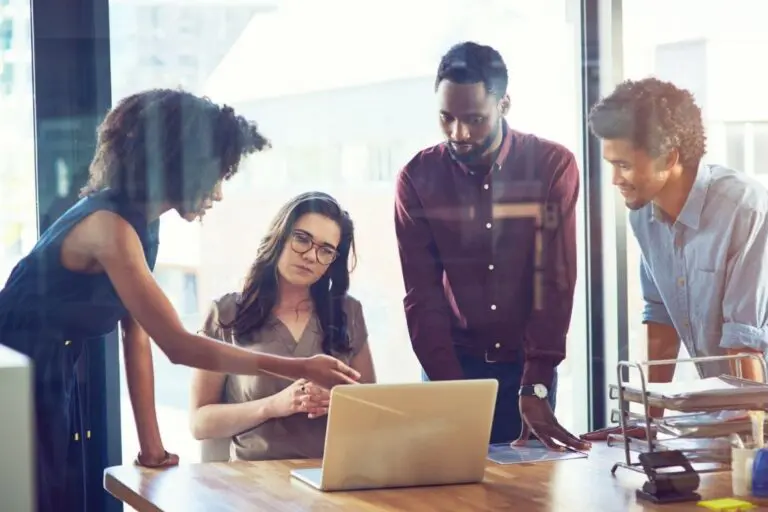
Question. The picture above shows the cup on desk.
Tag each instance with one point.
(741, 469)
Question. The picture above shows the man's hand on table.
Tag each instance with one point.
(538, 419)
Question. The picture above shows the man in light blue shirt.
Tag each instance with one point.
(702, 229)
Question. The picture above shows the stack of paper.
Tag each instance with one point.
(711, 394)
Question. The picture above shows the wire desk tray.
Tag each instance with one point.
(727, 394)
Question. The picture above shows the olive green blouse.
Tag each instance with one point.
(296, 436)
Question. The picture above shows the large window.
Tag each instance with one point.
(700, 45)
(747, 147)
(18, 208)
(346, 105)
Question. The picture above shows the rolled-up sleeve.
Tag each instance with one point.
(654, 310)
(745, 300)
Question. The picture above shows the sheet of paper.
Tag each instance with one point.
(534, 451)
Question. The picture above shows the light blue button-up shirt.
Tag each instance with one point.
(706, 274)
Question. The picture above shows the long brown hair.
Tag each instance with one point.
(260, 292)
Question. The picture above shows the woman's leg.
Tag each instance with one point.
(59, 473)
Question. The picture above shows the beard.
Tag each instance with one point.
(479, 149)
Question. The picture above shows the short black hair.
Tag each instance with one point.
(656, 116)
(169, 145)
(470, 63)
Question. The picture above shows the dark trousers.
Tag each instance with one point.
(506, 417)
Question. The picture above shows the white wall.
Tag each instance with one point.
(16, 433)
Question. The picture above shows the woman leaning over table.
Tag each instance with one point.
(294, 303)
(157, 151)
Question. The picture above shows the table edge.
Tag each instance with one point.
(126, 495)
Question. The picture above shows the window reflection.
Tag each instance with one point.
(18, 210)
(700, 45)
(344, 118)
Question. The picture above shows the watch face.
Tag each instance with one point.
(540, 390)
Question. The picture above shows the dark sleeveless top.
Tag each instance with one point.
(43, 302)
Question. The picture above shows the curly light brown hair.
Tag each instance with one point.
(169, 146)
(656, 116)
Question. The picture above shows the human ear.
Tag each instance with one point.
(504, 105)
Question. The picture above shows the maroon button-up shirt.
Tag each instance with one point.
(489, 261)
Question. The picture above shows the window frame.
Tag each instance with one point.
(72, 93)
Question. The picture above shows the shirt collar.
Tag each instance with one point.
(504, 150)
(690, 215)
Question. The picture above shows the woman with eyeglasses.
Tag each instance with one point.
(294, 304)
(157, 151)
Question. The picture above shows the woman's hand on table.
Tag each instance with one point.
(537, 418)
(163, 459)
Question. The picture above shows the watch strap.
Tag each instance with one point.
(531, 390)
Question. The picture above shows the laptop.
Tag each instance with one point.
(405, 435)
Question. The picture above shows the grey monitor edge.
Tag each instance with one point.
(310, 476)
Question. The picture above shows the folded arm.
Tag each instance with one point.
(211, 417)
(116, 246)
(426, 308)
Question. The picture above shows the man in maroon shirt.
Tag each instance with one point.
(486, 231)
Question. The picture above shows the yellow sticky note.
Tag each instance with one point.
(727, 505)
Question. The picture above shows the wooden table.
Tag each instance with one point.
(584, 485)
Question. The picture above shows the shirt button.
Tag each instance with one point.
(68, 342)
(486, 186)
(488, 225)
(490, 267)
(498, 345)
(681, 281)
(493, 307)
(686, 324)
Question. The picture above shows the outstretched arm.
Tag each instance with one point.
(116, 246)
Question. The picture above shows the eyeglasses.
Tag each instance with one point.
(302, 243)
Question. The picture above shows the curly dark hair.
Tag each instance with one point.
(329, 293)
(656, 116)
(171, 146)
(471, 63)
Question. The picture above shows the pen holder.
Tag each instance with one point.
(742, 464)
(760, 474)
